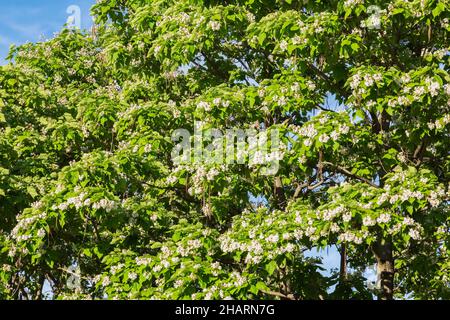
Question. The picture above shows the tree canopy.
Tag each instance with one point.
(94, 205)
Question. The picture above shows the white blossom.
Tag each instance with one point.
(214, 25)
(414, 234)
(368, 221)
(283, 45)
(384, 218)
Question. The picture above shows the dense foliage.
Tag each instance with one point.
(94, 206)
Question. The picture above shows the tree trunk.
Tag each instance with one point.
(385, 269)
(343, 266)
(38, 294)
(280, 198)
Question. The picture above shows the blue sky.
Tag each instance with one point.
(32, 20)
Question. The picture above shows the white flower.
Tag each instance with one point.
(356, 79)
(439, 124)
(165, 264)
(132, 276)
(377, 77)
(250, 17)
(403, 101)
(433, 199)
(157, 268)
(298, 40)
(281, 101)
(408, 221)
(405, 79)
(283, 45)
(368, 80)
(116, 268)
(302, 160)
(368, 221)
(307, 131)
(157, 49)
(402, 157)
(311, 85)
(352, 3)
(204, 105)
(335, 228)
(261, 92)
(394, 199)
(308, 142)
(334, 135)
(106, 281)
(357, 240)
(286, 236)
(41, 233)
(212, 174)
(384, 218)
(63, 206)
(310, 231)
(344, 129)
(323, 119)
(106, 204)
(178, 283)
(419, 92)
(441, 230)
(414, 234)
(37, 204)
(171, 179)
(347, 217)
(214, 25)
(273, 238)
(184, 17)
(433, 86)
(324, 138)
(143, 261)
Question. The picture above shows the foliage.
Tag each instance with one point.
(87, 180)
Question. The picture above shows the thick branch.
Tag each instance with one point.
(279, 294)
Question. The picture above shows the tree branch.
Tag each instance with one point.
(351, 175)
(279, 294)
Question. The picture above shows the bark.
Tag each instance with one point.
(280, 198)
(343, 266)
(38, 294)
(385, 269)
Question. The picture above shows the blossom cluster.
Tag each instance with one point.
(310, 131)
(81, 201)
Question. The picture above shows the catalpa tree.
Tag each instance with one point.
(106, 191)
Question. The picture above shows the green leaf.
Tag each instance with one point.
(262, 36)
(439, 8)
(32, 191)
(271, 267)
(87, 252)
(261, 286)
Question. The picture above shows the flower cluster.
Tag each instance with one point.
(81, 201)
(352, 3)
